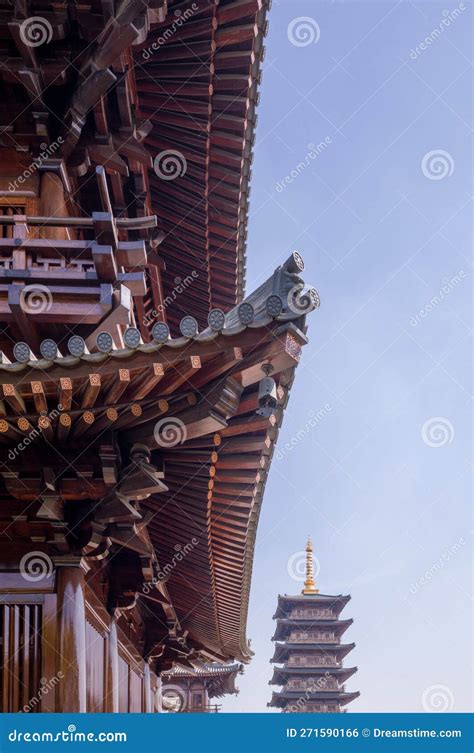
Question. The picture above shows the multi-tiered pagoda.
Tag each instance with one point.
(309, 632)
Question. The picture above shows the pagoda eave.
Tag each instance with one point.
(281, 674)
(286, 602)
(280, 700)
(282, 649)
(284, 626)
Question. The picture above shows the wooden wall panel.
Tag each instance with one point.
(20, 680)
(95, 669)
(123, 672)
(136, 692)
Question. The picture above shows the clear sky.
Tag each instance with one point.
(379, 465)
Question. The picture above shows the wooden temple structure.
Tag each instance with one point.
(191, 689)
(309, 649)
(141, 390)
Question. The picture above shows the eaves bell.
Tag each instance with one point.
(140, 479)
(267, 397)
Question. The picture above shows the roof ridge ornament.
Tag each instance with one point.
(309, 584)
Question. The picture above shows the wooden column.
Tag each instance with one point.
(147, 687)
(71, 637)
(53, 204)
(111, 672)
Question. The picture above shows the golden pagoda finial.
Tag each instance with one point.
(309, 584)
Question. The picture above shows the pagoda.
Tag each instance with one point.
(309, 632)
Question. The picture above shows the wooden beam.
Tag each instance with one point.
(181, 374)
(141, 387)
(91, 391)
(65, 393)
(13, 398)
(119, 384)
(39, 398)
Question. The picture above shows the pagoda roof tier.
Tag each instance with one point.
(287, 603)
(286, 625)
(283, 650)
(219, 678)
(281, 700)
(281, 675)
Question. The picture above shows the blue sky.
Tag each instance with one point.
(382, 217)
